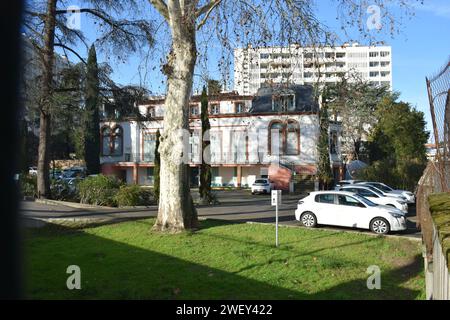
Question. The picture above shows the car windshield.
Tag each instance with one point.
(365, 200)
(389, 188)
(260, 181)
(375, 189)
(372, 189)
(383, 187)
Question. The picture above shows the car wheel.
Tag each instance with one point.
(308, 219)
(380, 226)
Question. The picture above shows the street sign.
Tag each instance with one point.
(276, 197)
(276, 200)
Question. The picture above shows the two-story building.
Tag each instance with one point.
(272, 134)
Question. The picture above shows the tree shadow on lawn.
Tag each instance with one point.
(242, 202)
(115, 270)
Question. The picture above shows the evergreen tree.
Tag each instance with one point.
(354, 101)
(205, 168)
(156, 168)
(324, 168)
(397, 145)
(214, 87)
(91, 115)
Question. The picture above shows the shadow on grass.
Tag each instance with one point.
(239, 202)
(116, 270)
(86, 213)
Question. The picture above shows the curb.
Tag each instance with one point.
(75, 223)
(71, 204)
(394, 236)
(86, 206)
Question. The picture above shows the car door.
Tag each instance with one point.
(350, 212)
(324, 208)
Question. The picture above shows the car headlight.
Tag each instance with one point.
(396, 215)
(401, 202)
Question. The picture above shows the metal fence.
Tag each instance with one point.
(436, 179)
(438, 87)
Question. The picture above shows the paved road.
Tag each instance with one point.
(236, 206)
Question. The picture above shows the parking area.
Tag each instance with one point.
(238, 206)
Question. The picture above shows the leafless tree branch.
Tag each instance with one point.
(161, 7)
(206, 10)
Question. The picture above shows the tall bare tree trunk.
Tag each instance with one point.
(43, 179)
(176, 207)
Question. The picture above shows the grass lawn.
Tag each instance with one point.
(221, 261)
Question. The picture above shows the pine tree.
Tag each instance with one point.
(205, 168)
(156, 168)
(214, 87)
(91, 115)
(324, 168)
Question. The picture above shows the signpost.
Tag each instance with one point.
(276, 200)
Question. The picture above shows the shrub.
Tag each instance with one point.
(99, 190)
(133, 195)
(28, 185)
(403, 175)
(63, 190)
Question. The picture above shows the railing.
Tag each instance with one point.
(436, 271)
(129, 157)
(439, 283)
(215, 158)
(436, 179)
(438, 87)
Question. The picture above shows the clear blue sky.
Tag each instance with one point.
(422, 47)
(420, 50)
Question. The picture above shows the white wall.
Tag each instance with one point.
(248, 79)
(230, 135)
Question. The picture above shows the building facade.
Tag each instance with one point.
(258, 67)
(272, 134)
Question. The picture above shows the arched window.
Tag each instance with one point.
(276, 138)
(151, 112)
(112, 141)
(149, 146)
(284, 138)
(117, 141)
(333, 142)
(106, 148)
(292, 138)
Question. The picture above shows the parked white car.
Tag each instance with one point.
(261, 186)
(377, 197)
(342, 183)
(32, 171)
(385, 188)
(386, 194)
(346, 209)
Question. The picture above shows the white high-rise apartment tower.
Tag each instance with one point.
(259, 67)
